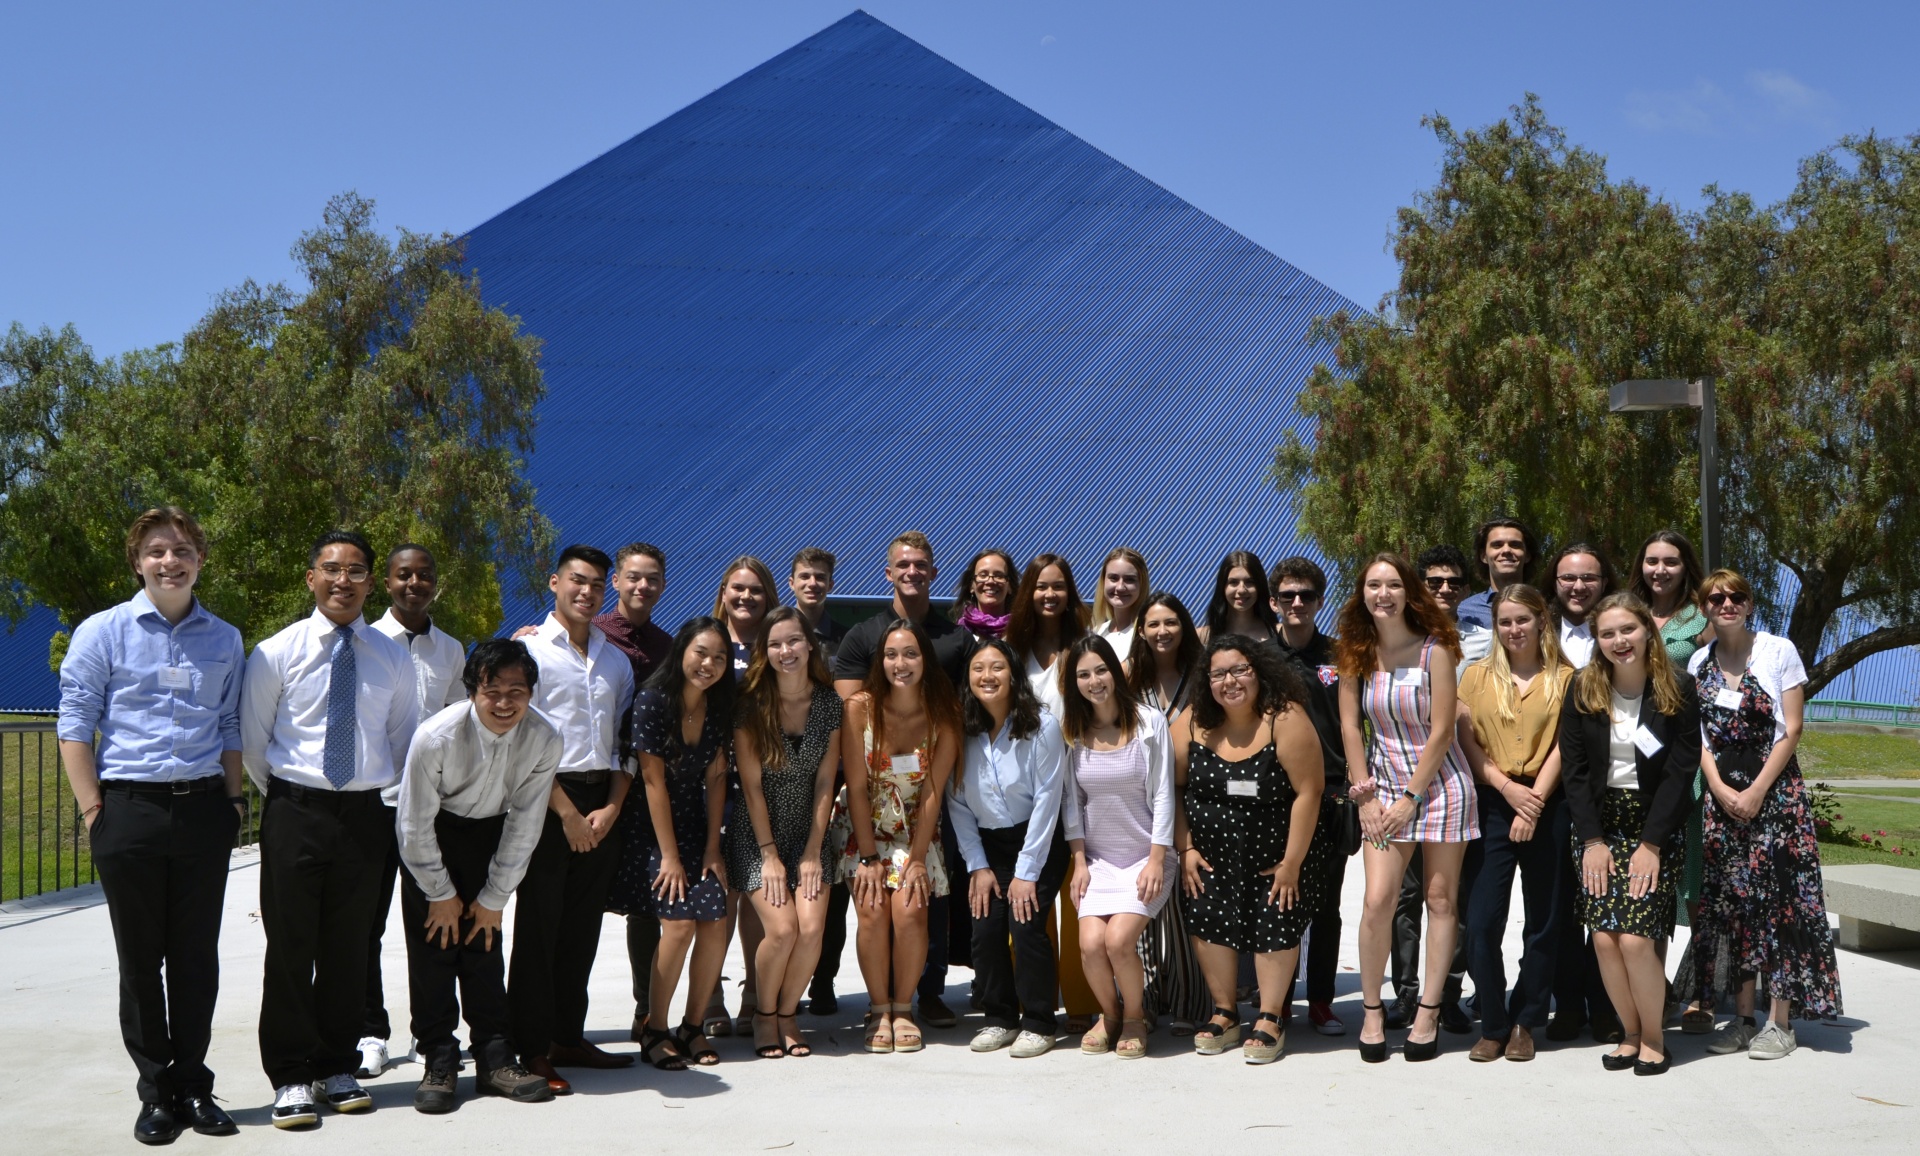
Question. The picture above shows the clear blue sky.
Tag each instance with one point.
(154, 154)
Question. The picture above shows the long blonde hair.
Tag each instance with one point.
(1500, 668)
(1593, 686)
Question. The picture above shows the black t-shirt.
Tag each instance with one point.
(952, 646)
(1314, 663)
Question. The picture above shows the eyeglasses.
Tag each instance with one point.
(1446, 582)
(1578, 579)
(1721, 598)
(351, 573)
(1236, 673)
(1301, 596)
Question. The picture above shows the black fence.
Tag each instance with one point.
(43, 841)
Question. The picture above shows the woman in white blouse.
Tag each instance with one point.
(1118, 601)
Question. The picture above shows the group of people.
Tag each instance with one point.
(1115, 810)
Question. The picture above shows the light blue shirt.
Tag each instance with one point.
(1476, 610)
(165, 698)
(1007, 782)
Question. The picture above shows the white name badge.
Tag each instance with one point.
(907, 764)
(176, 678)
(1250, 788)
(1727, 699)
(1648, 745)
(1407, 675)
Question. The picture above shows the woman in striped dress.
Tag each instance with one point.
(1412, 784)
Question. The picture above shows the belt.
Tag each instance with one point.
(197, 786)
(584, 778)
(339, 800)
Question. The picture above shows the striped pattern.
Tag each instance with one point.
(1401, 718)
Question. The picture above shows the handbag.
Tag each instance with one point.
(1343, 824)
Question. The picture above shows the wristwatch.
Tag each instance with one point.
(869, 860)
(1418, 799)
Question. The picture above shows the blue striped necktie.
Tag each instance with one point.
(341, 685)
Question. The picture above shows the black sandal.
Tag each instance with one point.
(1375, 1053)
(1264, 1047)
(799, 1047)
(774, 1050)
(671, 1060)
(686, 1033)
(1418, 1053)
(1212, 1039)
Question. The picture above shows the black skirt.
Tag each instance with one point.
(1623, 814)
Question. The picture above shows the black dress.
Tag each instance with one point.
(1241, 831)
(656, 731)
(789, 795)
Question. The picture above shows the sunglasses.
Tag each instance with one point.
(1726, 597)
(1446, 583)
(1287, 597)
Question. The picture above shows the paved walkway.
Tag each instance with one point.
(1853, 1086)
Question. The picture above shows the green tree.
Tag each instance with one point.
(386, 398)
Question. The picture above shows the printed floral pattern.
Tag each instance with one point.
(893, 797)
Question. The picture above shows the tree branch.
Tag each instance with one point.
(1850, 654)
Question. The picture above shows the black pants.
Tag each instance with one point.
(377, 1024)
(643, 943)
(949, 921)
(1406, 936)
(1018, 988)
(833, 942)
(1578, 990)
(163, 866)
(321, 853)
(1323, 934)
(1488, 878)
(478, 969)
(556, 933)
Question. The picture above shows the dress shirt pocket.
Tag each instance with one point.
(210, 683)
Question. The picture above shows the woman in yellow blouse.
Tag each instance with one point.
(1510, 715)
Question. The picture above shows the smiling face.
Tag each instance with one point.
(1094, 680)
(1519, 629)
(1296, 602)
(787, 648)
(911, 571)
(501, 701)
(639, 583)
(1162, 628)
(1662, 569)
(1050, 593)
(1120, 582)
(1505, 555)
(1242, 590)
(992, 583)
(810, 583)
(1577, 584)
(168, 563)
(991, 680)
(1621, 636)
(579, 590)
(1384, 592)
(744, 598)
(1728, 608)
(412, 581)
(901, 660)
(1231, 678)
(340, 580)
(707, 658)
(1449, 587)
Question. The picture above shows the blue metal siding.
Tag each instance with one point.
(26, 682)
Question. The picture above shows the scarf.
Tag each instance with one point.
(977, 621)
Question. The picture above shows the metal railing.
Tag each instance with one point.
(1872, 713)
(43, 841)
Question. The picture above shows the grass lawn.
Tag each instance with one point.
(1831, 755)
(36, 813)
(1867, 816)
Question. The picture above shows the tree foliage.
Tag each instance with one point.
(1531, 281)
(386, 398)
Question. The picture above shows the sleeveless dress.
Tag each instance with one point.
(1763, 910)
(1117, 817)
(1400, 707)
(789, 795)
(1241, 834)
(893, 798)
(656, 731)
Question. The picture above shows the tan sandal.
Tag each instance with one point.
(879, 1030)
(1132, 1047)
(1098, 1041)
(1212, 1038)
(906, 1033)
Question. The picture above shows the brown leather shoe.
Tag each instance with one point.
(543, 1067)
(1485, 1051)
(1520, 1045)
(585, 1055)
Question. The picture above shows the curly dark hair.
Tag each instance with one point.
(1277, 687)
(1024, 714)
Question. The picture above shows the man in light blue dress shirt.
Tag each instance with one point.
(159, 678)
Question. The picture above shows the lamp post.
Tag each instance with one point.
(1651, 396)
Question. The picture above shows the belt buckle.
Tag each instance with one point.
(180, 787)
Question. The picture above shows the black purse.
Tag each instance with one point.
(1343, 824)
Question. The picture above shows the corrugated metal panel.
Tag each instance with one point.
(26, 683)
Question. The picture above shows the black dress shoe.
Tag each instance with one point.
(204, 1116)
(156, 1124)
(1613, 1063)
(1607, 1029)
(1454, 1018)
(1400, 1011)
(1565, 1026)
(935, 1013)
(823, 1004)
(1644, 1068)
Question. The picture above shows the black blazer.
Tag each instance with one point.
(1666, 779)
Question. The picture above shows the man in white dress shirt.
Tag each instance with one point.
(328, 707)
(471, 804)
(413, 582)
(1581, 577)
(586, 688)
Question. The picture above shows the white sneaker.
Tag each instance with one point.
(992, 1038)
(1031, 1044)
(293, 1106)
(373, 1057)
(342, 1093)
(1733, 1038)
(1774, 1042)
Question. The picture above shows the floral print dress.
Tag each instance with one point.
(1762, 904)
(893, 799)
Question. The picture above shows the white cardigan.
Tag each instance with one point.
(1151, 730)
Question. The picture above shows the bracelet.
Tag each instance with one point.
(768, 844)
(237, 800)
(91, 810)
(1359, 791)
(869, 860)
(1418, 799)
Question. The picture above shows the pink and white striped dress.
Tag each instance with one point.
(1400, 707)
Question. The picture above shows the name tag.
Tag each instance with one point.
(1647, 744)
(1727, 699)
(1248, 788)
(907, 764)
(1407, 675)
(176, 678)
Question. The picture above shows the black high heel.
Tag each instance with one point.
(1372, 1053)
(1419, 1053)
